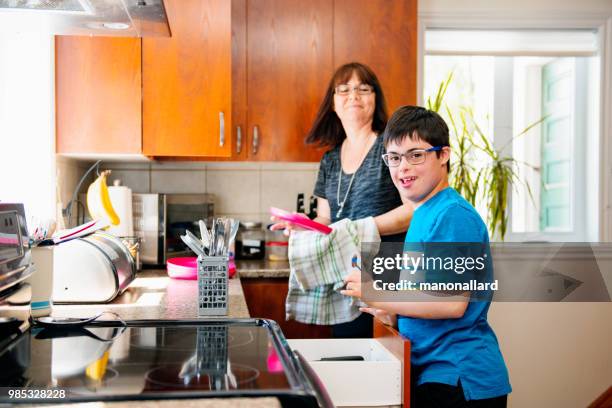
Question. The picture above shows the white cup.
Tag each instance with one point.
(42, 280)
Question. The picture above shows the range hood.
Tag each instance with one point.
(110, 18)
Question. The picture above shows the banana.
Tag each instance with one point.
(99, 203)
(97, 369)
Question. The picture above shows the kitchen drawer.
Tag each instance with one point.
(375, 381)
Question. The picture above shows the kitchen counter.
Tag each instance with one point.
(153, 295)
(250, 269)
(186, 403)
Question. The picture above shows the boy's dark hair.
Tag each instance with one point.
(417, 122)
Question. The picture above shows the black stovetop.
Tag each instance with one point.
(155, 359)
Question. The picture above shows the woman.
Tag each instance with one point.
(353, 181)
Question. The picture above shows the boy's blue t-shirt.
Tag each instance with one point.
(451, 350)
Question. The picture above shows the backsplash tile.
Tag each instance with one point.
(236, 191)
(233, 166)
(283, 166)
(138, 180)
(177, 165)
(69, 172)
(243, 190)
(178, 181)
(280, 188)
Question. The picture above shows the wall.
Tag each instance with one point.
(242, 190)
(69, 172)
(559, 355)
(509, 8)
(27, 137)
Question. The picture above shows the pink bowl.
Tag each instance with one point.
(187, 268)
(183, 268)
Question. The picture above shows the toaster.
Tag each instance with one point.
(92, 269)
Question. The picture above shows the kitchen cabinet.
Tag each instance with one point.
(400, 347)
(383, 35)
(187, 83)
(238, 80)
(293, 50)
(265, 298)
(166, 98)
(290, 61)
(98, 95)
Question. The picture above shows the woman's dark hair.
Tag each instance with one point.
(417, 122)
(327, 129)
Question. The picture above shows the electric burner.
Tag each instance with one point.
(171, 339)
(159, 360)
(172, 378)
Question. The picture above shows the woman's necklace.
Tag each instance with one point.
(341, 203)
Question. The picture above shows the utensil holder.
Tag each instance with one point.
(213, 285)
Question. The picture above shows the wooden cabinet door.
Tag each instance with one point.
(98, 94)
(239, 80)
(383, 35)
(265, 299)
(289, 62)
(187, 86)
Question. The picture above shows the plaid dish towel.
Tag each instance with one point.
(318, 265)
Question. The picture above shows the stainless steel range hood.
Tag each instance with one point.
(114, 18)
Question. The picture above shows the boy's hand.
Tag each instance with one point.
(387, 318)
(353, 284)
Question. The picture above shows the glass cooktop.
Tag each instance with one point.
(152, 359)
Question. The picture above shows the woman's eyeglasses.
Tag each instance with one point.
(345, 89)
(416, 156)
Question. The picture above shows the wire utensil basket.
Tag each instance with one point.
(213, 285)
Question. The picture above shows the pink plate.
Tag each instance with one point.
(299, 220)
(187, 268)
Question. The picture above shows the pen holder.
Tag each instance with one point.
(212, 285)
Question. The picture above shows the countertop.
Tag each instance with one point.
(186, 403)
(153, 295)
(262, 269)
(265, 402)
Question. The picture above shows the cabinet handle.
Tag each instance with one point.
(221, 129)
(238, 139)
(255, 138)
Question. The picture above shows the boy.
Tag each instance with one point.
(455, 355)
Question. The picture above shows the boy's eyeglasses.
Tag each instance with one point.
(416, 156)
(345, 89)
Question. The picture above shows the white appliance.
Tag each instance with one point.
(110, 18)
(92, 269)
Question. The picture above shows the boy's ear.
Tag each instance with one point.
(445, 154)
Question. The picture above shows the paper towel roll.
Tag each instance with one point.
(121, 197)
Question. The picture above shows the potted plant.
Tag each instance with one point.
(490, 182)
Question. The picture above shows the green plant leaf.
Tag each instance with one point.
(490, 183)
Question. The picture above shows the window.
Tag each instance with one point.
(27, 158)
(507, 81)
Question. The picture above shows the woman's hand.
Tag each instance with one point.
(387, 318)
(287, 226)
(323, 217)
(352, 284)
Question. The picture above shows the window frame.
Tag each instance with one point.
(598, 221)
